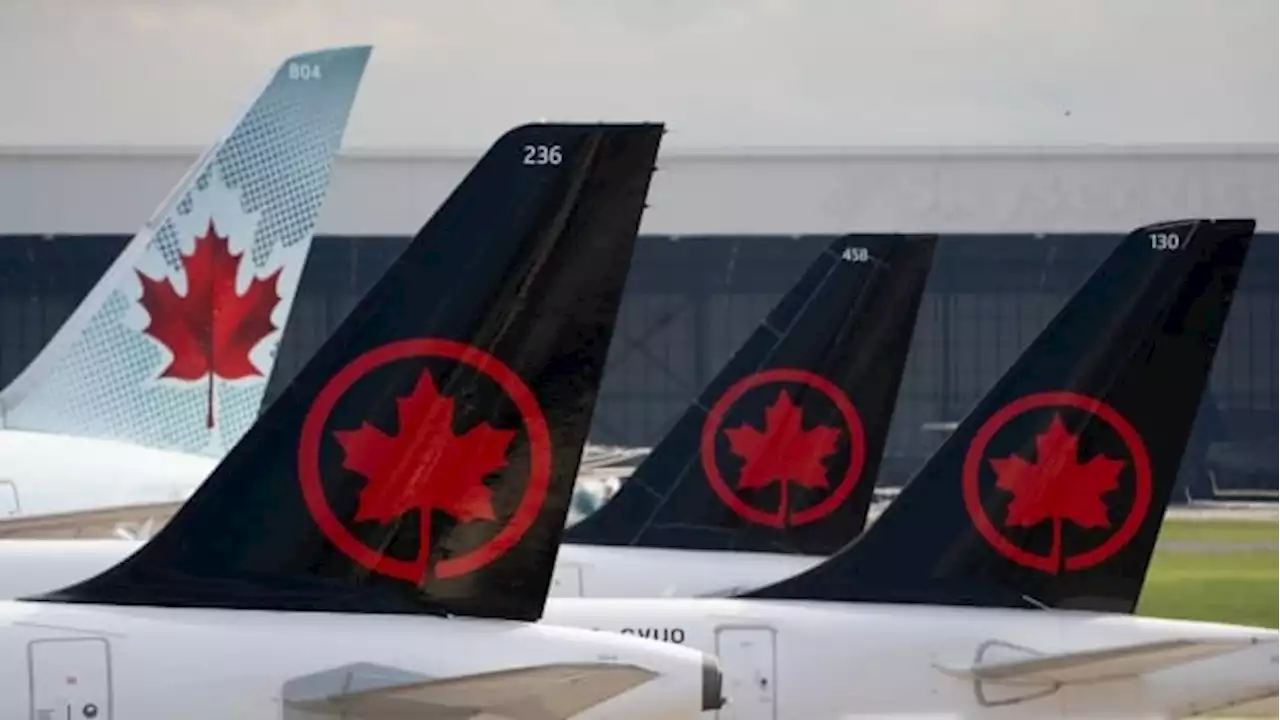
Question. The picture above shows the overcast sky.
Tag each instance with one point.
(721, 73)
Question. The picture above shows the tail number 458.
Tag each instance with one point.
(1165, 241)
(855, 254)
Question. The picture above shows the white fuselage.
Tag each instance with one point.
(822, 660)
(789, 659)
(144, 663)
(44, 474)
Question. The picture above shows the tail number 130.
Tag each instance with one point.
(542, 155)
(1165, 241)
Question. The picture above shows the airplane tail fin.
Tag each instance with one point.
(780, 452)
(423, 460)
(1051, 492)
(172, 348)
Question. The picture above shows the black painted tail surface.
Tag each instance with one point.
(1051, 492)
(781, 451)
(423, 460)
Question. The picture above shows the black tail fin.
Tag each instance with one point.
(1051, 492)
(423, 460)
(781, 451)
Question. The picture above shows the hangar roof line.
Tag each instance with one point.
(95, 190)
(1253, 150)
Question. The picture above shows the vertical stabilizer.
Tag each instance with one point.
(172, 348)
(781, 450)
(423, 459)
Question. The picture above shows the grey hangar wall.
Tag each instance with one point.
(690, 301)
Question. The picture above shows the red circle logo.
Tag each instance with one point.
(466, 503)
(783, 450)
(1059, 485)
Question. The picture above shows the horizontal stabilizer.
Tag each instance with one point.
(1100, 665)
(141, 521)
(1267, 705)
(547, 692)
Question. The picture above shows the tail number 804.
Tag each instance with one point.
(304, 71)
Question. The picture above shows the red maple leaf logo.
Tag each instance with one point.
(425, 466)
(211, 329)
(784, 452)
(1057, 486)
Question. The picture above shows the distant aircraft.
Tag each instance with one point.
(164, 364)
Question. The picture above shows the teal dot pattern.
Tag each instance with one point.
(263, 185)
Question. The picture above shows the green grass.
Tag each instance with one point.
(1240, 587)
(1220, 531)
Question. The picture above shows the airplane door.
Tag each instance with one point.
(9, 506)
(748, 664)
(70, 679)
(566, 580)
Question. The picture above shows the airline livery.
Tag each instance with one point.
(164, 365)
(380, 544)
(376, 544)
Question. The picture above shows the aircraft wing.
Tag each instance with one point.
(545, 692)
(1098, 665)
(124, 521)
